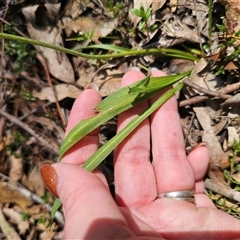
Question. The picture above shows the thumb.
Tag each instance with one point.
(85, 199)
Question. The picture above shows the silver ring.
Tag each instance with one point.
(185, 195)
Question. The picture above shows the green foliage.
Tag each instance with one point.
(166, 52)
(145, 15)
(114, 7)
(28, 96)
(42, 220)
(46, 198)
(21, 53)
(230, 41)
(83, 36)
(234, 166)
(222, 28)
(25, 216)
(236, 147)
(221, 201)
(18, 140)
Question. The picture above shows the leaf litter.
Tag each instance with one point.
(38, 100)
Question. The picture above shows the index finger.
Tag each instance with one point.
(83, 108)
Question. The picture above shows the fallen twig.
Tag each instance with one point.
(43, 61)
(222, 189)
(206, 91)
(197, 99)
(8, 231)
(34, 198)
(24, 126)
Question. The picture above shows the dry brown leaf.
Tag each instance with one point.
(234, 65)
(178, 66)
(58, 63)
(9, 195)
(62, 91)
(16, 217)
(96, 28)
(36, 180)
(232, 101)
(6, 141)
(8, 231)
(107, 82)
(203, 77)
(231, 136)
(16, 167)
(156, 5)
(48, 234)
(175, 32)
(73, 8)
(236, 176)
(111, 83)
(109, 86)
(232, 15)
(26, 183)
(173, 4)
(214, 146)
(58, 133)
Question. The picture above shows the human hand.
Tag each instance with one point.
(137, 212)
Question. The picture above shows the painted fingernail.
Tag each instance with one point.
(133, 69)
(92, 86)
(50, 178)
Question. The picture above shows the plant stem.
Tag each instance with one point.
(210, 5)
(135, 52)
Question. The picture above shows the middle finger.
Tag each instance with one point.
(172, 169)
(135, 182)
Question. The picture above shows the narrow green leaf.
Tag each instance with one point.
(141, 25)
(148, 13)
(56, 205)
(136, 12)
(118, 102)
(142, 11)
(108, 147)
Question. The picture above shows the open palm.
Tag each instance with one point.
(138, 212)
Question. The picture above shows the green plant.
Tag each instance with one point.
(234, 166)
(83, 36)
(25, 216)
(19, 138)
(144, 15)
(228, 42)
(166, 52)
(221, 201)
(114, 7)
(21, 53)
(28, 96)
(42, 220)
(46, 198)
(117, 102)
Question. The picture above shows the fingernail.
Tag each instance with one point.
(201, 144)
(154, 69)
(50, 178)
(133, 69)
(92, 86)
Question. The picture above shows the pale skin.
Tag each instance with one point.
(136, 213)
